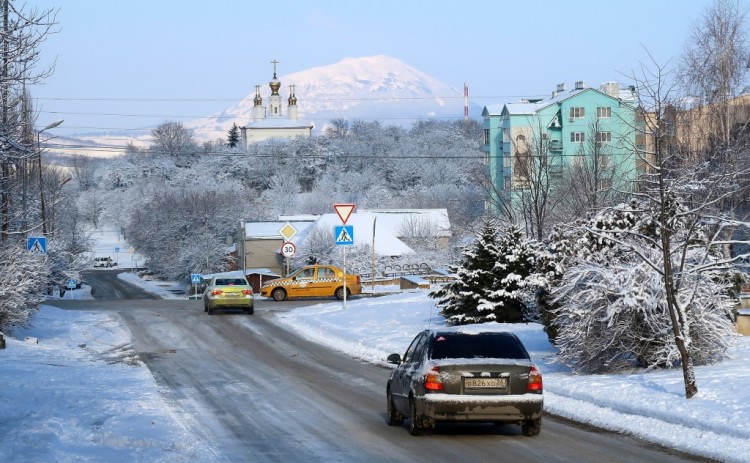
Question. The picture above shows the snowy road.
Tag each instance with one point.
(252, 391)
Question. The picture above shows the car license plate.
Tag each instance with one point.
(233, 294)
(492, 383)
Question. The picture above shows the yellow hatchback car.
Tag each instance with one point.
(313, 281)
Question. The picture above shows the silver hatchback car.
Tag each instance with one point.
(452, 375)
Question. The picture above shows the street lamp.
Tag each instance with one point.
(41, 182)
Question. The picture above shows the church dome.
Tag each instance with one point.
(275, 84)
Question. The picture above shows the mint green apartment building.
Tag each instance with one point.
(562, 130)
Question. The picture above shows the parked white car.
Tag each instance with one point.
(105, 262)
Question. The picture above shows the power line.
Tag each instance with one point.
(114, 149)
(195, 100)
(232, 117)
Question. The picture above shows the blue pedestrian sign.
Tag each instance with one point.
(117, 248)
(195, 278)
(344, 235)
(37, 245)
(72, 283)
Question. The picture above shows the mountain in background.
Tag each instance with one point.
(375, 88)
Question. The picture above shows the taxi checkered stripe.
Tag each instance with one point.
(293, 282)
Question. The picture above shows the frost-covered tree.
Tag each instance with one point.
(21, 285)
(173, 139)
(183, 231)
(494, 281)
(319, 248)
(648, 284)
(611, 304)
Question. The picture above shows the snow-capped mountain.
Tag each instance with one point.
(372, 88)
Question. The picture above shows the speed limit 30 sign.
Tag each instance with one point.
(288, 249)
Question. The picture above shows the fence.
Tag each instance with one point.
(392, 271)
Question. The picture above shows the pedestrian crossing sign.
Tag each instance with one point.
(344, 235)
(37, 245)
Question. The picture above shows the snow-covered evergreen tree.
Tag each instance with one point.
(494, 282)
(233, 137)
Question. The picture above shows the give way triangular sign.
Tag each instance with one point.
(344, 211)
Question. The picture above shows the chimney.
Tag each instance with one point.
(580, 85)
(610, 88)
(560, 87)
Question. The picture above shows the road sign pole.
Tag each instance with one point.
(344, 211)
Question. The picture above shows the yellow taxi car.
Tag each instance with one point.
(313, 281)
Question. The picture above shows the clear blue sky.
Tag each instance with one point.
(216, 52)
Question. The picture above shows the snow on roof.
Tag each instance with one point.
(493, 109)
(280, 123)
(397, 220)
(270, 230)
(386, 243)
(299, 217)
(524, 108)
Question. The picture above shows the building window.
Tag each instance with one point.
(506, 161)
(603, 137)
(577, 112)
(486, 136)
(605, 162)
(506, 135)
(604, 112)
(576, 137)
(506, 183)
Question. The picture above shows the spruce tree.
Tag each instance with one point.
(233, 138)
(514, 268)
(492, 282)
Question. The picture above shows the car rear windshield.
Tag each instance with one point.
(484, 345)
(230, 282)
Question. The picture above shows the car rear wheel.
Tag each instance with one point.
(210, 310)
(278, 294)
(340, 293)
(250, 311)
(415, 423)
(532, 428)
(394, 417)
(205, 306)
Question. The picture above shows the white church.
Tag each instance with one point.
(272, 121)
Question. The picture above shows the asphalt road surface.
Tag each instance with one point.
(253, 391)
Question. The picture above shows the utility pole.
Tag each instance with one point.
(41, 180)
(4, 129)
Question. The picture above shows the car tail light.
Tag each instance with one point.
(247, 292)
(432, 380)
(216, 292)
(535, 380)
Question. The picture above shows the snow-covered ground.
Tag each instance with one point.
(74, 391)
(80, 394)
